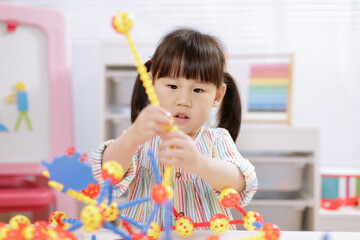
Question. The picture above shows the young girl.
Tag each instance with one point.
(187, 71)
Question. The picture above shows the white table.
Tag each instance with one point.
(104, 234)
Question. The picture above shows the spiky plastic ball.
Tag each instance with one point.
(122, 22)
(19, 222)
(92, 218)
(154, 231)
(158, 194)
(56, 219)
(219, 223)
(270, 231)
(111, 212)
(184, 226)
(250, 218)
(229, 198)
(112, 170)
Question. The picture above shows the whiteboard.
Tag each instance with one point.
(23, 58)
(35, 53)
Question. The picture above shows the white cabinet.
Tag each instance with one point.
(286, 162)
(345, 219)
(118, 73)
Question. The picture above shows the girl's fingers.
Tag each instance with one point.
(171, 144)
(172, 157)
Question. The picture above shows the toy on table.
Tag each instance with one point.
(101, 210)
(20, 97)
(20, 228)
(340, 187)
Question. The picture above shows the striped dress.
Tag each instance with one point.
(193, 197)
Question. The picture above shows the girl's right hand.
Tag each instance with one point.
(149, 123)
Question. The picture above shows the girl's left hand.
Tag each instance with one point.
(178, 148)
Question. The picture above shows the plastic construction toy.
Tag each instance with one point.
(20, 228)
(101, 209)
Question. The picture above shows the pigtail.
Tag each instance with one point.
(229, 115)
(139, 99)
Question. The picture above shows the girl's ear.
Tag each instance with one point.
(220, 93)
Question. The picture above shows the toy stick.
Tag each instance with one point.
(122, 23)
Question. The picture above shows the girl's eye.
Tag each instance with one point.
(172, 86)
(198, 90)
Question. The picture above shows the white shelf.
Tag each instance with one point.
(346, 218)
(268, 138)
(286, 159)
(346, 211)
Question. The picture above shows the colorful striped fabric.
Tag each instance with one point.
(193, 197)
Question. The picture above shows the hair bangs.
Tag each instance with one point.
(189, 55)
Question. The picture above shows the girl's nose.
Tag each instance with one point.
(183, 99)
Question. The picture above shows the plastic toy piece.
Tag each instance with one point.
(19, 222)
(250, 218)
(122, 23)
(219, 223)
(229, 198)
(92, 190)
(20, 228)
(92, 218)
(184, 226)
(158, 194)
(20, 97)
(113, 171)
(64, 169)
(56, 219)
(111, 212)
(214, 237)
(154, 231)
(270, 231)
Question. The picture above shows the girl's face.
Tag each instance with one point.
(189, 101)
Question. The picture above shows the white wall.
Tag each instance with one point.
(323, 35)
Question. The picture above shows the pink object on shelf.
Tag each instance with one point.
(52, 23)
(11, 25)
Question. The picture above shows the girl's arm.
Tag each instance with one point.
(121, 149)
(220, 172)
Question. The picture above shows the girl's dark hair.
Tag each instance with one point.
(190, 54)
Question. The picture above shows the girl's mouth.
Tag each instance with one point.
(181, 117)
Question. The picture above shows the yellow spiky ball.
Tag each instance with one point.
(122, 22)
